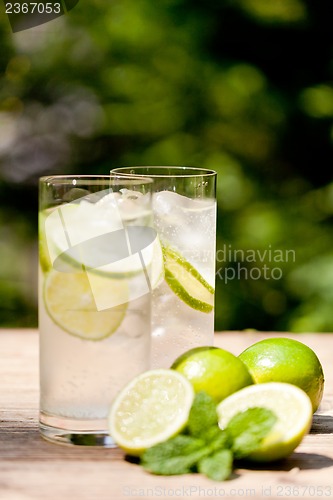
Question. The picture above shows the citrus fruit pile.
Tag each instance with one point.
(278, 375)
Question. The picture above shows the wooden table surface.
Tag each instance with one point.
(31, 468)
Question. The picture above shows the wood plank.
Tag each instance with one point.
(31, 468)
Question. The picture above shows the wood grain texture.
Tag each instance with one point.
(33, 469)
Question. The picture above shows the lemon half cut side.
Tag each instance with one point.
(290, 404)
(153, 407)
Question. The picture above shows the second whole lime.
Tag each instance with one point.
(214, 370)
(280, 359)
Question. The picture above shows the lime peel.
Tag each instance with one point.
(213, 370)
(268, 360)
(44, 256)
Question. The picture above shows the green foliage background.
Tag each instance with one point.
(243, 87)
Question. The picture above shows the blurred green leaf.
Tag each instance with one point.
(241, 87)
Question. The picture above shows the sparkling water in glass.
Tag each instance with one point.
(184, 206)
(96, 244)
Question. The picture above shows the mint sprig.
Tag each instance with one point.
(202, 414)
(248, 429)
(217, 466)
(203, 447)
(177, 455)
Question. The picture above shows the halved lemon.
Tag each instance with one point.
(70, 303)
(153, 407)
(291, 406)
(186, 282)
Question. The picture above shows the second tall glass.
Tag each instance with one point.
(184, 206)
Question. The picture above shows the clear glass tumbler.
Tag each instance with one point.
(96, 245)
(184, 206)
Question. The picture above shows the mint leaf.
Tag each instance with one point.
(205, 447)
(202, 415)
(177, 455)
(248, 428)
(217, 466)
(183, 453)
(216, 439)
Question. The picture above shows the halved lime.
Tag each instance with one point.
(186, 282)
(71, 305)
(153, 407)
(291, 406)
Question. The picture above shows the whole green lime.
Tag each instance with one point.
(280, 359)
(213, 370)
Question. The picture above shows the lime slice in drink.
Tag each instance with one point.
(70, 304)
(95, 234)
(44, 256)
(153, 407)
(186, 282)
(291, 406)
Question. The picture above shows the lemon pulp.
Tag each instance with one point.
(70, 303)
(291, 406)
(153, 407)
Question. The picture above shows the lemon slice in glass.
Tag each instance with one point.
(290, 404)
(153, 407)
(70, 303)
(61, 243)
(44, 256)
(186, 282)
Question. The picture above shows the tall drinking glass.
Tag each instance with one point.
(184, 206)
(95, 251)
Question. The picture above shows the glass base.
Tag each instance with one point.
(67, 431)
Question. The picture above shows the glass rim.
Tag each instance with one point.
(129, 179)
(188, 171)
